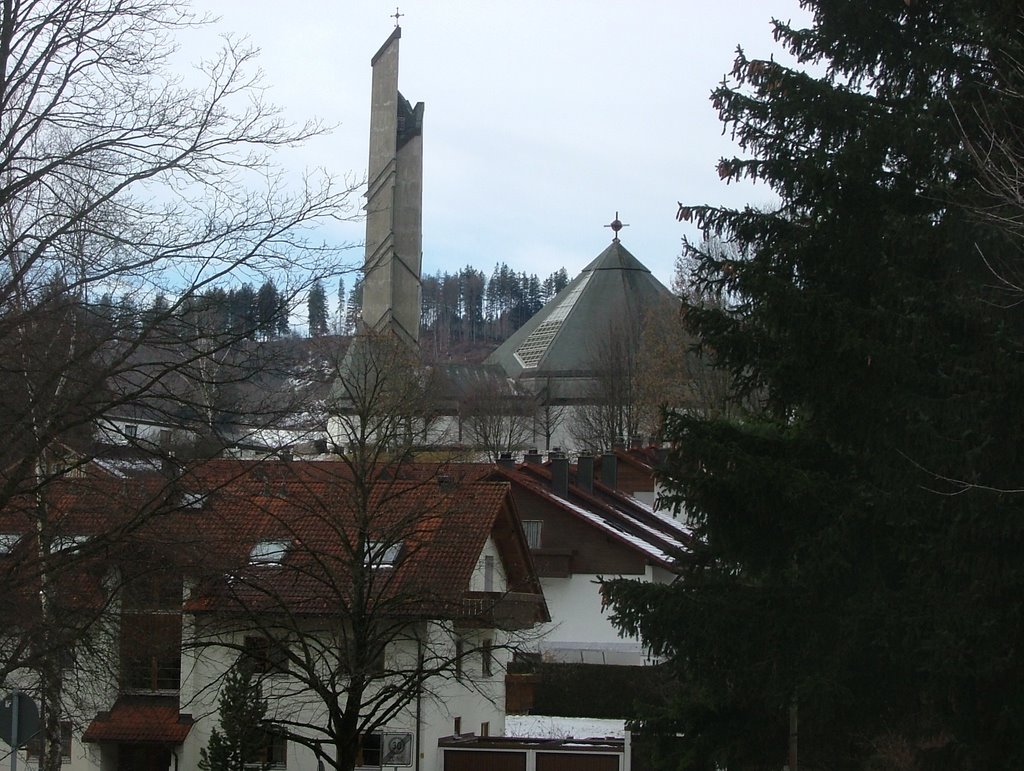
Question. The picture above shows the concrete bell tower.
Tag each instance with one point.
(394, 204)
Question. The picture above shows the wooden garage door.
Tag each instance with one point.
(456, 760)
(589, 761)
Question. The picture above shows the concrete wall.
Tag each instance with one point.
(391, 291)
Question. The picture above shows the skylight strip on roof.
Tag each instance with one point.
(532, 349)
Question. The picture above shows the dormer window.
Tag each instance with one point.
(381, 554)
(269, 552)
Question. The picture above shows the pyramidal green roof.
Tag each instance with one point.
(562, 338)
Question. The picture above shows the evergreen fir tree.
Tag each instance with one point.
(317, 305)
(559, 281)
(340, 313)
(857, 571)
(242, 313)
(239, 742)
(268, 310)
(354, 311)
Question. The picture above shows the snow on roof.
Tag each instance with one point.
(644, 545)
(660, 534)
(126, 467)
(669, 520)
(551, 727)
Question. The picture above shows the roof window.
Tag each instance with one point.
(68, 542)
(268, 552)
(383, 554)
(8, 541)
(191, 499)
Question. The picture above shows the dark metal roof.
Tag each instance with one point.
(562, 339)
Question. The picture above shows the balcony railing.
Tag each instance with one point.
(502, 610)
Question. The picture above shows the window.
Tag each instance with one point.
(131, 430)
(460, 651)
(267, 655)
(486, 659)
(531, 528)
(382, 554)
(151, 651)
(34, 748)
(273, 752)
(385, 750)
(489, 573)
(378, 660)
(269, 552)
(369, 751)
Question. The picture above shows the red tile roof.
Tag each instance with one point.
(205, 522)
(654, 535)
(140, 720)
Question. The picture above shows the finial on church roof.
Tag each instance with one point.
(616, 225)
(396, 16)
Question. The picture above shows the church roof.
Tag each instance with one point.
(614, 291)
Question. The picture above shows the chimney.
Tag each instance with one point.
(534, 457)
(635, 443)
(444, 481)
(169, 466)
(609, 470)
(619, 443)
(559, 474)
(285, 454)
(585, 473)
(505, 460)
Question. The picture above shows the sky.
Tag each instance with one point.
(542, 120)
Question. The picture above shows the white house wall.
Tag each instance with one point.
(581, 629)
(476, 699)
(477, 581)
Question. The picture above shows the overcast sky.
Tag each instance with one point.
(543, 117)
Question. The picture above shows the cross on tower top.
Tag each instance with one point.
(396, 15)
(616, 225)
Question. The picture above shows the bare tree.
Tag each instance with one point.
(701, 384)
(675, 371)
(549, 414)
(613, 408)
(496, 418)
(118, 179)
(998, 154)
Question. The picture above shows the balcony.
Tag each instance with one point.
(552, 563)
(503, 610)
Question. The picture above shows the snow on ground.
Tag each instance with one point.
(549, 727)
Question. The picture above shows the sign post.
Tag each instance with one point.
(396, 749)
(19, 722)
